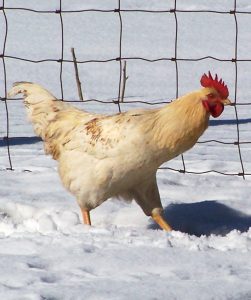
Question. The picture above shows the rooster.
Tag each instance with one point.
(100, 156)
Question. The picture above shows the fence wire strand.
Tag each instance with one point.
(120, 60)
(62, 49)
(235, 89)
(120, 54)
(5, 91)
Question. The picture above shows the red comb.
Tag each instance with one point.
(208, 81)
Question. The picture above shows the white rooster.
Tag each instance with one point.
(100, 156)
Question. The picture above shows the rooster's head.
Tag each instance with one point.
(216, 94)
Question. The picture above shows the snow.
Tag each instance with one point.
(45, 250)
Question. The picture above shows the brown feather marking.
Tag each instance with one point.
(93, 129)
(55, 109)
(52, 149)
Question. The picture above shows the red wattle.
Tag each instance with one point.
(214, 108)
(217, 109)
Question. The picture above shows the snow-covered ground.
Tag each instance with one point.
(45, 251)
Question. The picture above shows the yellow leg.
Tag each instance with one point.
(156, 215)
(86, 216)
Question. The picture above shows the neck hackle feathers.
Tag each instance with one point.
(218, 85)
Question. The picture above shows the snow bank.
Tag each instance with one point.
(45, 250)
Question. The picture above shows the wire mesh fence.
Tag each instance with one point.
(60, 13)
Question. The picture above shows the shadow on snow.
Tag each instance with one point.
(229, 122)
(205, 218)
(14, 141)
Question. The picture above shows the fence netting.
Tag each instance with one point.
(176, 59)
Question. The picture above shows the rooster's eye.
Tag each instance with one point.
(211, 96)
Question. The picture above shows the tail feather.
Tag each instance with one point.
(40, 104)
(32, 92)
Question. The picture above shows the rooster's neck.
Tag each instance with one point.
(178, 126)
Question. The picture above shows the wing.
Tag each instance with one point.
(105, 136)
(99, 136)
(63, 128)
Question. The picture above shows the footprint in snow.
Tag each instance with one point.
(36, 265)
(3, 216)
(49, 279)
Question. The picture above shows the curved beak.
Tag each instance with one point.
(226, 102)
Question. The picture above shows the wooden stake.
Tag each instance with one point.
(80, 94)
(124, 79)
